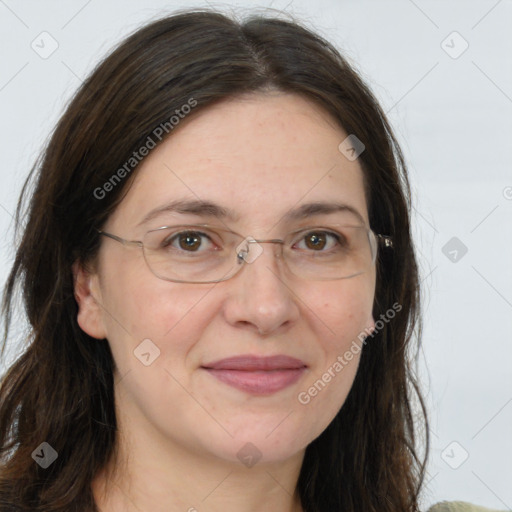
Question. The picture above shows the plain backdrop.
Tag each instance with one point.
(443, 73)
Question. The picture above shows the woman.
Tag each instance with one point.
(222, 289)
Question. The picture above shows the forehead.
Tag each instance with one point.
(259, 156)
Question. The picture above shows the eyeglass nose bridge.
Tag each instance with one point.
(246, 256)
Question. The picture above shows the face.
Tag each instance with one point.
(260, 157)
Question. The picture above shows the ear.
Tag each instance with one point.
(85, 284)
(371, 324)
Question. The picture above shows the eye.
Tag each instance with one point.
(319, 240)
(189, 241)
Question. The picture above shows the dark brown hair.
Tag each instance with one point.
(60, 390)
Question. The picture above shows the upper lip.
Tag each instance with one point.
(255, 363)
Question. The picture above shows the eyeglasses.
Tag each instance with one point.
(203, 253)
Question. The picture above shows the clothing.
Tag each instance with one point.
(460, 506)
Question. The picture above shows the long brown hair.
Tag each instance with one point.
(60, 390)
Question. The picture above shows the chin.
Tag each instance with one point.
(250, 446)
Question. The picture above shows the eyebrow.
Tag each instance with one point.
(193, 207)
(210, 209)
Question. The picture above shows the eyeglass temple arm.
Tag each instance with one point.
(119, 239)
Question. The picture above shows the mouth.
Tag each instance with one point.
(257, 375)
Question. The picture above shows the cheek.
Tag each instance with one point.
(139, 307)
(346, 311)
(342, 320)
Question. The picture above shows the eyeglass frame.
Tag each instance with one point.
(385, 239)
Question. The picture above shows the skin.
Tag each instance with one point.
(180, 428)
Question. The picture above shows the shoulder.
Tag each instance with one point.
(459, 506)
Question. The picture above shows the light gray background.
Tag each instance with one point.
(453, 117)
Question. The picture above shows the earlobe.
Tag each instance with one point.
(89, 317)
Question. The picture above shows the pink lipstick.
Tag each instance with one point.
(257, 375)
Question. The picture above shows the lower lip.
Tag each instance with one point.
(258, 382)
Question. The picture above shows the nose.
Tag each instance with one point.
(261, 298)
